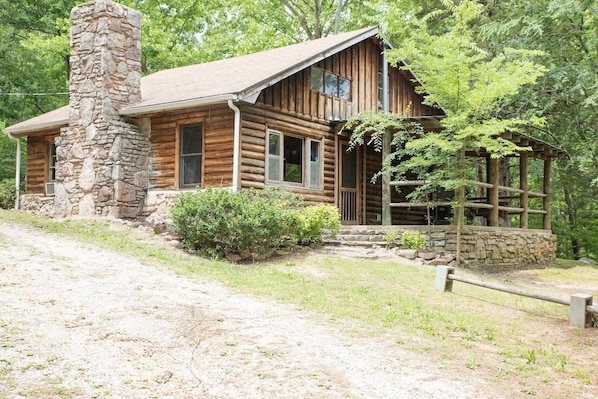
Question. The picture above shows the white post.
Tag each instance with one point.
(236, 145)
(578, 313)
(17, 170)
(443, 283)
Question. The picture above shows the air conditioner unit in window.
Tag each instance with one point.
(50, 188)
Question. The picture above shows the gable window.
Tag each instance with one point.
(293, 160)
(331, 84)
(191, 148)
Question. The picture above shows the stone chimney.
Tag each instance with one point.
(102, 161)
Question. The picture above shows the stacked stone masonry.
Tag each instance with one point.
(484, 248)
(101, 160)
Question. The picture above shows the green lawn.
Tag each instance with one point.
(504, 336)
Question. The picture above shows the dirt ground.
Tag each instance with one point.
(78, 321)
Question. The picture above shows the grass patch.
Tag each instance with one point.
(50, 387)
(519, 340)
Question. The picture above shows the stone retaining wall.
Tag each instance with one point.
(484, 248)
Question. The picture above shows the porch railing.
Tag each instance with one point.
(349, 206)
(481, 203)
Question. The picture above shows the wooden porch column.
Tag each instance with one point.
(493, 178)
(547, 215)
(523, 162)
(386, 188)
(386, 144)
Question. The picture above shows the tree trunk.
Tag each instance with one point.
(572, 219)
(460, 206)
(479, 191)
(505, 180)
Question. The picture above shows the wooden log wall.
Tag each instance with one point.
(360, 64)
(255, 122)
(38, 159)
(218, 126)
(403, 98)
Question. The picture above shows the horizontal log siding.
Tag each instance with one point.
(255, 121)
(218, 125)
(38, 158)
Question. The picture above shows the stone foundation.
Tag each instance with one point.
(157, 206)
(38, 204)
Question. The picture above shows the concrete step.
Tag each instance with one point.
(358, 235)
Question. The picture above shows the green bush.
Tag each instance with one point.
(314, 219)
(216, 222)
(413, 240)
(8, 194)
(390, 237)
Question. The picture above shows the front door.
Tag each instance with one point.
(349, 198)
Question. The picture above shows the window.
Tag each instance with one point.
(286, 160)
(314, 164)
(331, 84)
(52, 163)
(191, 147)
(317, 80)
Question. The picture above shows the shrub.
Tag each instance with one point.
(413, 240)
(8, 193)
(390, 237)
(216, 221)
(314, 219)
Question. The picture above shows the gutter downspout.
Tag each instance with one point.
(17, 170)
(236, 145)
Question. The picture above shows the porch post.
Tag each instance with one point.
(386, 189)
(523, 162)
(547, 215)
(386, 144)
(493, 178)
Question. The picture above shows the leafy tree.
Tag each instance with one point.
(567, 95)
(8, 149)
(470, 84)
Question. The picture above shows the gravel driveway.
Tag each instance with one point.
(78, 321)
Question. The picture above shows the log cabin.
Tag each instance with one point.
(126, 145)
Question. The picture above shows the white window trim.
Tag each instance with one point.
(270, 156)
(309, 164)
(306, 164)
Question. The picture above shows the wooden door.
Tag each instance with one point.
(349, 185)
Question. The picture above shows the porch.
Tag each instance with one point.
(500, 195)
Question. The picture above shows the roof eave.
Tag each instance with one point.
(139, 110)
(17, 130)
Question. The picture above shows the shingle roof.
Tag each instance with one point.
(240, 78)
